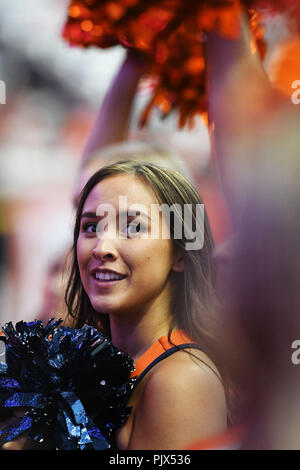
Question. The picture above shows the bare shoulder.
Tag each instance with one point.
(194, 361)
(182, 401)
(190, 374)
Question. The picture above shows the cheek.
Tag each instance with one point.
(153, 259)
(79, 254)
(83, 254)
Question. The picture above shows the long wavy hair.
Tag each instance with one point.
(194, 302)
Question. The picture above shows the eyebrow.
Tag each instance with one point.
(93, 215)
(88, 215)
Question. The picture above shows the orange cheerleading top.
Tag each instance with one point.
(161, 349)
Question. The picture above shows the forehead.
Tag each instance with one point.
(111, 188)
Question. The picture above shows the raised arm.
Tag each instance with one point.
(241, 101)
(112, 122)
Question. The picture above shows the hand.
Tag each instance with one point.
(20, 443)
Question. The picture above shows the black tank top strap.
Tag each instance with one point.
(164, 355)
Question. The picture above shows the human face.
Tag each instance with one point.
(145, 262)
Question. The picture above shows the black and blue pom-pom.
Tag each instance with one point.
(73, 383)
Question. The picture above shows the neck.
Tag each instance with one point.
(136, 332)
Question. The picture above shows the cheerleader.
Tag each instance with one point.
(155, 298)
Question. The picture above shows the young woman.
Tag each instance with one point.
(149, 293)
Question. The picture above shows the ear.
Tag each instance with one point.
(178, 262)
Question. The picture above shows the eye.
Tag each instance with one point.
(89, 227)
(135, 228)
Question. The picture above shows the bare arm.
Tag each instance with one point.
(241, 101)
(112, 123)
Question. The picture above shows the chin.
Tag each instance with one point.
(103, 307)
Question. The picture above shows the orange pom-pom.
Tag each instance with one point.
(170, 32)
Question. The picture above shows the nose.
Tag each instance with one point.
(105, 249)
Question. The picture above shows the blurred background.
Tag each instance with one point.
(53, 93)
